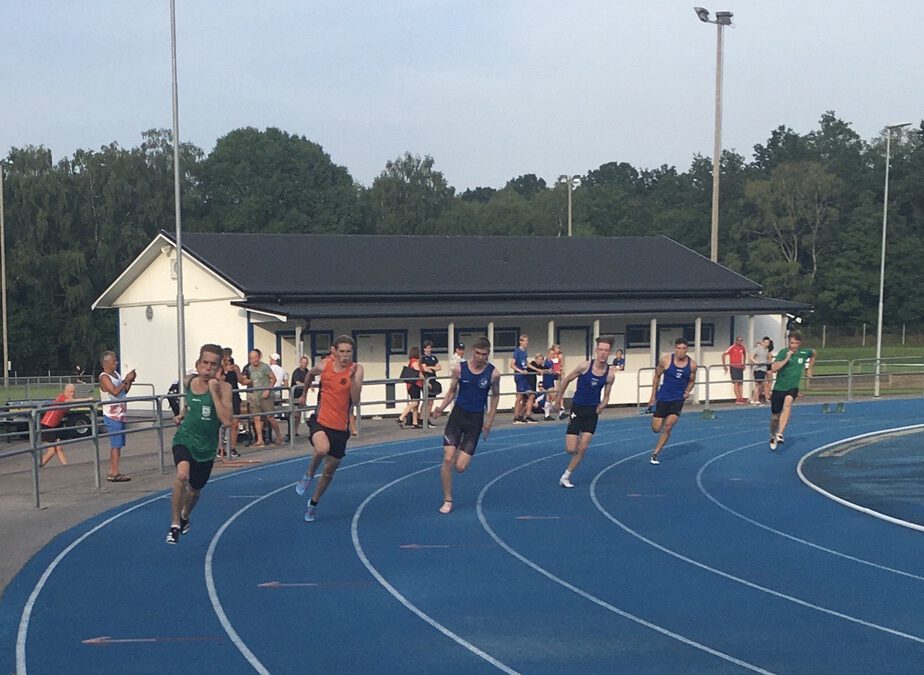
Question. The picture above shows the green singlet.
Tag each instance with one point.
(199, 429)
(790, 376)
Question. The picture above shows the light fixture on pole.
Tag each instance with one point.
(180, 308)
(721, 20)
(571, 182)
(885, 219)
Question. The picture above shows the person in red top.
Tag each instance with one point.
(50, 422)
(733, 359)
(329, 426)
(414, 390)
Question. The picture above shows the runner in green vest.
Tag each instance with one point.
(207, 408)
(789, 366)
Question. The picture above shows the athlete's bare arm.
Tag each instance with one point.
(451, 390)
(656, 380)
(356, 383)
(492, 404)
(571, 377)
(686, 393)
(221, 397)
(606, 391)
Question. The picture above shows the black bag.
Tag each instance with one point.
(435, 388)
(408, 373)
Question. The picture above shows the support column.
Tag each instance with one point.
(491, 338)
(298, 341)
(596, 332)
(551, 334)
(653, 342)
(451, 338)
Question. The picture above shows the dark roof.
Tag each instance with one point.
(538, 306)
(288, 266)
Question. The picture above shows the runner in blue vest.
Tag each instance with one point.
(679, 371)
(594, 378)
(471, 382)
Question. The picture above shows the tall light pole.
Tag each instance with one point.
(6, 342)
(180, 309)
(721, 20)
(885, 219)
(570, 181)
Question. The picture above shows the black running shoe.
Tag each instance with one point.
(184, 526)
(173, 535)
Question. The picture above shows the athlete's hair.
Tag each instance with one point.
(482, 343)
(105, 355)
(681, 341)
(795, 335)
(212, 349)
(608, 339)
(344, 339)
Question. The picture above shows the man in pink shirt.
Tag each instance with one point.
(734, 358)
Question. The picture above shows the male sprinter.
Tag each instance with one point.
(679, 371)
(593, 378)
(207, 408)
(329, 426)
(471, 380)
(788, 366)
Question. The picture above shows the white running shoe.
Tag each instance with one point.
(654, 459)
(311, 513)
(301, 487)
(773, 442)
(779, 439)
(565, 482)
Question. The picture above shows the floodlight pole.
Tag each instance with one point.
(570, 180)
(721, 20)
(6, 342)
(885, 220)
(180, 308)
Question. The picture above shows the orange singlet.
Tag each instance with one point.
(334, 404)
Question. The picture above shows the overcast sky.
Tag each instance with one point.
(491, 89)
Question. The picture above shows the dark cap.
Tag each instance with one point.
(460, 345)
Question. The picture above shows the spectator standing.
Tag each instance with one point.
(116, 388)
(733, 360)
(50, 422)
(761, 359)
(549, 384)
(262, 404)
(414, 389)
(619, 360)
(523, 406)
(430, 366)
(458, 356)
(231, 374)
(298, 380)
(282, 381)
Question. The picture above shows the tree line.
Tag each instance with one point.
(802, 216)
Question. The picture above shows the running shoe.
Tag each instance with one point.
(565, 482)
(301, 487)
(773, 442)
(311, 513)
(654, 459)
(548, 418)
(184, 525)
(173, 535)
(519, 420)
(400, 423)
(755, 402)
(234, 453)
(779, 439)
(563, 414)
(530, 420)
(430, 425)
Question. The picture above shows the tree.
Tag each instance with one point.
(408, 197)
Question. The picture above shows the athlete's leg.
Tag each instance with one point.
(581, 444)
(330, 468)
(656, 423)
(449, 458)
(784, 415)
(666, 429)
(321, 444)
(178, 496)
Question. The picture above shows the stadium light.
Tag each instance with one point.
(885, 219)
(570, 181)
(721, 20)
(6, 342)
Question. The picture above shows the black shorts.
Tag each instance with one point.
(336, 439)
(199, 472)
(463, 430)
(778, 397)
(51, 434)
(583, 420)
(414, 391)
(665, 408)
(760, 375)
(737, 374)
(236, 405)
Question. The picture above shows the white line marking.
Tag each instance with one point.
(584, 594)
(357, 545)
(852, 505)
(731, 577)
(710, 497)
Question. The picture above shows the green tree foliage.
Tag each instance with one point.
(802, 216)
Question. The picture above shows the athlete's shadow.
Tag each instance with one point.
(684, 449)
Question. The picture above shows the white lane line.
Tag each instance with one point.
(731, 577)
(217, 607)
(799, 540)
(849, 504)
(584, 594)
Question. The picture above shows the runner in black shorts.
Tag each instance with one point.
(790, 365)
(679, 371)
(337, 438)
(472, 380)
(593, 379)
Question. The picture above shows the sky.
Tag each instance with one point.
(491, 89)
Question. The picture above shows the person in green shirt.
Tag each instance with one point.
(207, 408)
(789, 366)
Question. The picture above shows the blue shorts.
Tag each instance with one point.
(522, 382)
(116, 429)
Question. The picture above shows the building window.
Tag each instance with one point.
(397, 342)
(638, 336)
(439, 337)
(321, 343)
(707, 334)
(506, 339)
